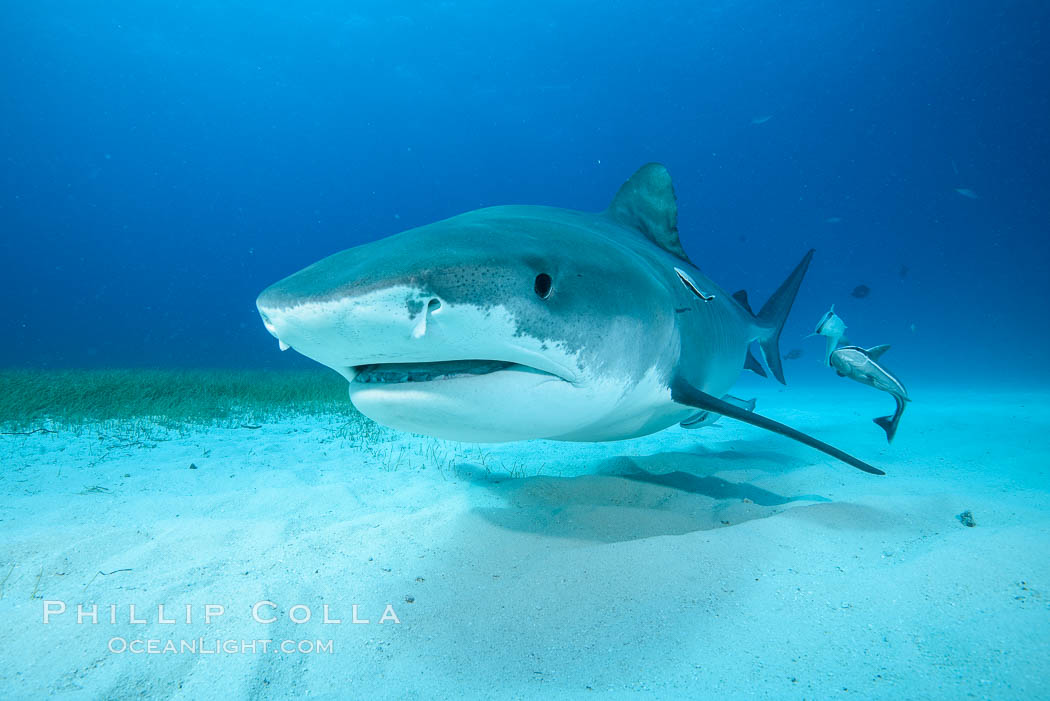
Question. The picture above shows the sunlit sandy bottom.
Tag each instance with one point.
(718, 563)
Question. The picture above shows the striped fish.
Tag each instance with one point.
(863, 366)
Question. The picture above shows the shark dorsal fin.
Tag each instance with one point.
(876, 352)
(647, 203)
(741, 296)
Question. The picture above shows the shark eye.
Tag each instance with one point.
(543, 285)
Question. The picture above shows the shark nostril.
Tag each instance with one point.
(268, 324)
(420, 328)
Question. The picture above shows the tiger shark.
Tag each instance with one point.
(521, 322)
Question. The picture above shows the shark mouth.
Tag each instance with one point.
(400, 373)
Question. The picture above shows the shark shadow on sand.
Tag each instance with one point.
(623, 501)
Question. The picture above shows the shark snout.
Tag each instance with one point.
(352, 327)
(266, 322)
(402, 324)
(272, 329)
(442, 293)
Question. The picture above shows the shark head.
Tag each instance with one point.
(500, 324)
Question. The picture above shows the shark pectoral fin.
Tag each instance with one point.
(751, 363)
(706, 418)
(684, 393)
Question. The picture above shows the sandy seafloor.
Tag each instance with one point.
(719, 563)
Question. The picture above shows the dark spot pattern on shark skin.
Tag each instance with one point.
(415, 306)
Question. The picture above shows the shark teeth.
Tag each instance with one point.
(395, 373)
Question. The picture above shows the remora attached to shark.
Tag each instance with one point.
(518, 322)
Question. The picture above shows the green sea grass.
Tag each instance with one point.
(171, 398)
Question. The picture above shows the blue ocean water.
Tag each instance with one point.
(163, 163)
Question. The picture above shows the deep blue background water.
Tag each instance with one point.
(163, 162)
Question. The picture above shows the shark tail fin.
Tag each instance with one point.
(774, 313)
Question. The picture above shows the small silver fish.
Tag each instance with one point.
(967, 192)
(863, 366)
(832, 327)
